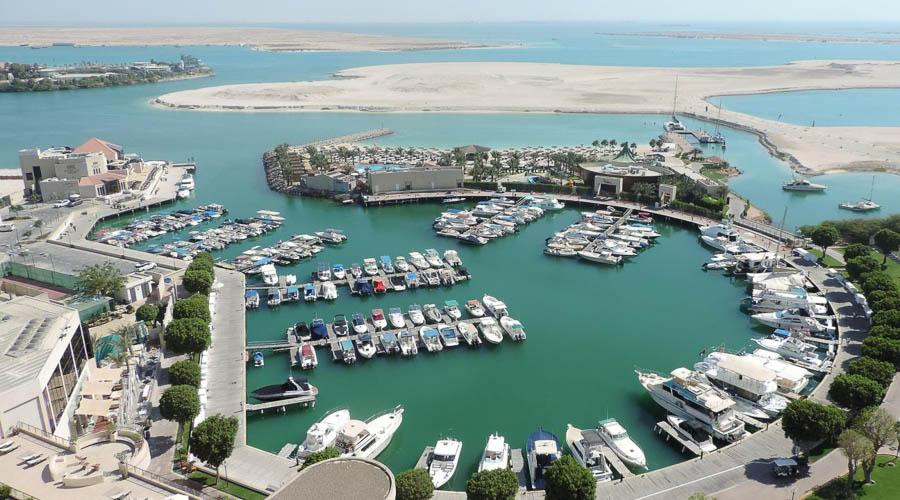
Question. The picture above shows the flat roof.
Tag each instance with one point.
(606, 168)
(339, 479)
(58, 258)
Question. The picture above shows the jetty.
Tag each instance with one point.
(424, 458)
(283, 404)
(664, 427)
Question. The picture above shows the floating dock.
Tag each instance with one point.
(283, 404)
(615, 462)
(666, 428)
(424, 458)
(517, 462)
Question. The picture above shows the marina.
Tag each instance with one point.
(491, 219)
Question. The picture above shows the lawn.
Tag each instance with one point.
(893, 270)
(716, 174)
(228, 487)
(886, 487)
(827, 261)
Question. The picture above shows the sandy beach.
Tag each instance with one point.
(765, 37)
(554, 88)
(274, 39)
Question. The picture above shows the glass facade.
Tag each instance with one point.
(65, 377)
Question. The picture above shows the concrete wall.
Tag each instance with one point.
(326, 184)
(416, 179)
(58, 189)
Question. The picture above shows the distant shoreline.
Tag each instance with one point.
(763, 37)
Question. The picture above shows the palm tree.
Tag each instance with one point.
(595, 143)
(126, 335)
(613, 143)
(604, 143)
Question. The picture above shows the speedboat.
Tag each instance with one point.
(475, 309)
(301, 331)
(513, 328)
(395, 316)
(495, 306)
(469, 333)
(274, 297)
(309, 292)
(340, 325)
(269, 274)
(616, 437)
(252, 299)
(451, 307)
(448, 335)
(801, 184)
(602, 257)
(496, 454)
(356, 271)
(348, 352)
(416, 315)
(431, 338)
(386, 265)
(541, 449)
(329, 291)
(324, 272)
(378, 319)
(452, 258)
(292, 388)
(323, 433)
(400, 264)
(418, 260)
(258, 359)
(308, 358)
(318, 329)
(433, 258)
(490, 330)
(432, 314)
(370, 267)
(408, 344)
(587, 449)
(444, 460)
(473, 239)
(368, 439)
(360, 325)
(692, 431)
(338, 272)
(365, 346)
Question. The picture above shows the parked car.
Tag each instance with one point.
(144, 266)
(61, 204)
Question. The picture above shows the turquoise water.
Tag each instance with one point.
(824, 108)
(588, 326)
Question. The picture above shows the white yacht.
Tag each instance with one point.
(541, 450)
(451, 257)
(370, 266)
(444, 460)
(794, 350)
(513, 328)
(418, 260)
(719, 236)
(801, 184)
(546, 203)
(416, 315)
(323, 433)
(329, 291)
(475, 309)
(789, 377)
(495, 455)
(795, 318)
(400, 264)
(778, 300)
(395, 316)
(752, 386)
(495, 306)
(269, 274)
(602, 257)
(616, 437)
(686, 394)
(433, 258)
(490, 330)
(368, 439)
(859, 206)
(587, 449)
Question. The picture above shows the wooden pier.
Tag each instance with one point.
(664, 427)
(615, 462)
(283, 404)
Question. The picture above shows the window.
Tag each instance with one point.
(57, 395)
(29, 176)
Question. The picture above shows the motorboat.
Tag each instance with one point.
(431, 277)
(183, 193)
(318, 329)
(448, 335)
(332, 236)
(400, 264)
(616, 437)
(795, 318)
(386, 264)
(546, 203)
(370, 267)
(389, 343)
(444, 460)
(308, 358)
(431, 338)
(432, 313)
(490, 330)
(292, 294)
(561, 252)
(340, 325)
(339, 272)
(324, 272)
(473, 239)
(329, 291)
(794, 350)
(365, 346)
(323, 433)
(378, 286)
(764, 300)
(513, 328)
(692, 431)
(363, 287)
(496, 454)
(412, 279)
(418, 260)
(673, 125)
(356, 271)
(469, 333)
(433, 258)
(301, 331)
(251, 299)
(475, 309)
(602, 257)
(368, 439)
(495, 306)
(752, 386)
(719, 236)
(359, 323)
(451, 257)
(688, 395)
(290, 279)
(258, 359)
(408, 344)
(273, 299)
(801, 184)
(416, 315)
(348, 352)
(269, 274)
(398, 283)
(378, 319)
(541, 450)
(309, 292)
(395, 316)
(451, 307)
(859, 206)
(587, 449)
(292, 388)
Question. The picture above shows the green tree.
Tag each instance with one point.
(569, 480)
(99, 279)
(855, 391)
(889, 318)
(885, 349)
(876, 281)
(179, 403)
(321, 455)
(147, 313)
(188, 335)
(856, 448)
(197, 281)
(885, 304)
(185, 372)
(873, 369)
(878, 425)
(213, 440)
(858, 266)
(414, 484)
(604, 143)
(644, 191)
(887, 241)
(195, 306)
(497, 484)
(855, 250)
(203, 260)
(806, 422)
(885, 331)
(125, 336)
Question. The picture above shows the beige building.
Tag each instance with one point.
(425, 178)
(44, 354)
(334, 182)
(12, 187)
(59, 163)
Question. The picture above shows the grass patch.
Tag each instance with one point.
(893, 270)
(226, 486)
(827, 261)
(886, 487)
(819, 451)
(716, 174)
(182, 438)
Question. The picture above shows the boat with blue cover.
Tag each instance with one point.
(318, 329)
(541, 449)
(258, 359)
(251, 299)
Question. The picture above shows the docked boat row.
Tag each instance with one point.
(605, 236)
(156, 225)
(494, 218)
(352, 438)
(724, 238)
(219, 238)
(284, 253)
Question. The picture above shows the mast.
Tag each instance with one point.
(872, 189)
(675, 99)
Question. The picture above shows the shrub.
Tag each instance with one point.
(806, 422)
(147, 313)
(195, 306)
(879, 295)
(185, 372)
(885, 331)
(855, 391)
(566, 479)
(497, 484)
(858, 266)
(188, 335)
(886, 304)
(855, 250)
(874, 369)
(321, 455)
(179, 403)
(414, 484)
(882, 348)
(889, 318)
(197, 281)
(876, 281)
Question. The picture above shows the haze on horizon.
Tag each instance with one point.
(105, 12)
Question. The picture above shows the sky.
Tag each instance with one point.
(97, 12)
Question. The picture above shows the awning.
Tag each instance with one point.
(94, 388)
(106, 374)
(94, 407)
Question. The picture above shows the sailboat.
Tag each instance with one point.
(674, 125)
(863, 205)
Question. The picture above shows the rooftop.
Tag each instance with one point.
(93, 180)
(95, 145)
(68, 260)
(340, 479)
(619, 170)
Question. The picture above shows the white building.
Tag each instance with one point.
(425, 178)
(43, 360)
(59, 163)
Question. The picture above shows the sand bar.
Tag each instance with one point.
(273, 39)
(494, 87)
(886, 38)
